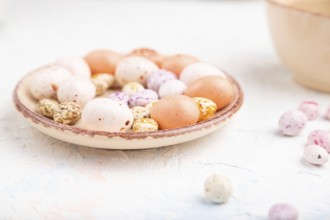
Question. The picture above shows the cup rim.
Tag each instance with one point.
(279, 4)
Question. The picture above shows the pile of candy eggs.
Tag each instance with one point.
(141, 91)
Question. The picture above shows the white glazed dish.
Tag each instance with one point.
(25, 105)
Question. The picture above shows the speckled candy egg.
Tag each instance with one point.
(76, 89)
(104, 114)
(283, 211)
(198, 70)
(119, 97)
(140, 112)
(151, 104)
(67, 113)
(172, 87)
(321, 138)
(177, 62)
(75, 65)
(47, 80)
(217, 189)
(134, 69)
(47, 107)
(132, 88)
(310, 109)
(148, 53)
(315, 154)
(206, 107)
(157, 78)
(292, 123)
(103, 61)
(102, 82)
(142, 98)
(145, 125)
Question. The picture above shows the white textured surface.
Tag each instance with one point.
(42, 178)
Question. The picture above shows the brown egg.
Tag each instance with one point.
(175, 111)
(177, 62)
(215, 88)
(103, 61)
(148, 53)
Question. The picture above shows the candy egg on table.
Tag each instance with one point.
(310, 109)
(177, 62)
(175, 111)
(142, 98)
(47, 107)
(148, 53)
(315, 154)
(217, 189)
(145, 125)
(283, 211)
(103, 61)
(102, 82)
(76, 65)
(157, 78)
(76, 89)
(140, 112)
(104, 114)
(321, 138)
(132, 88)
(172, 87)
(67, 113)
(215, 88)
(119, 97)
(292, 123)
(206, 107)
(46, 81)
(134, 69)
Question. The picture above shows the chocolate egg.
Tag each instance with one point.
(176, 63)
(148, 53)
(103, 61)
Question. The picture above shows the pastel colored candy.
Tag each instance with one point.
(157, 78)
(207, 108)
(67, 113)
(143, 98)
(132, 88)
(292, 123)
(47, 107)
(310, 109)
(145, 125)
(315, 154)
(140, 112)
(321, 138)
(283, 211)
(119, 97)
(217, 189)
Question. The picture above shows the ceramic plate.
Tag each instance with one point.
(25, 104)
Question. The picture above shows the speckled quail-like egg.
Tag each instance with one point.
(76, 89)
(206, 107)
(47, 107)
(119, 97)
(151, 104)
(140, 112)
(198, 70)
(46, 81)
(217, 189)
(142, 98)
(157, 78)
(102, 82)
(321, 138)
(67, 113)
(145, 125)
(104, 114)
(75, 65)
(283, 211)
(172, 87)
(310, 109)
(134, 69)
(148, 53)
(132, 88)
(292, 123)
(315, 154)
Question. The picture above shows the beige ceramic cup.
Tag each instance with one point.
(301, 33)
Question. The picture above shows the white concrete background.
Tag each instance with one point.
(42, 178)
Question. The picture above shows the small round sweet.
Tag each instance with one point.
(217, 189)
(310, 109)
(157, 78)
(145, 125)
(315, 154)
(292, 123)
(327, 115)
(103, 61)
(67, 113)
(142, 98)
(283, 211)
(215, 88)
(172, 87)
(47, 107)
(132, 88)
(148, 53)
(104, 114)
(75, 65)
(198, 70)
(206, 107)
(150, 105)
(76, 89)
(119, 97)
(47, 80)
(177, 63)
(140, 112)
(175, 111)
(102, 82)
(134, 69)
(321, 138)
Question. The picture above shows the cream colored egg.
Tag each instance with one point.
(172, 87)
(76, 65)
